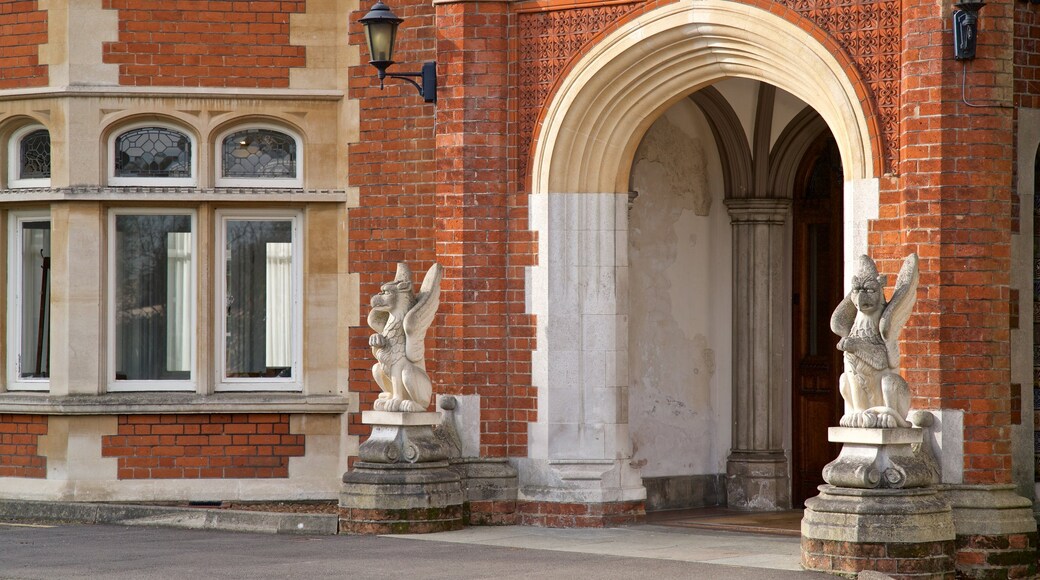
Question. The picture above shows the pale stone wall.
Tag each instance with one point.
(680, 300)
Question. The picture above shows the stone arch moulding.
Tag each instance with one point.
(790, 147)
(593, 123)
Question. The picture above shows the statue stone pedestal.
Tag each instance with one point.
(872, 458)
(881, 509)
(402, 482)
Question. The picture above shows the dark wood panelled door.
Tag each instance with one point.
(817, 287)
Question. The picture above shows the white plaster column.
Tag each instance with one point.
(756, 471)
(580, 446)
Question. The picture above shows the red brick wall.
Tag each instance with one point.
(955, 212)
(1027, 55)
(204, 43)
(24, 28)
(446, 198)
(482, 240)
(19, 436)
(392, 165)
(203, 446)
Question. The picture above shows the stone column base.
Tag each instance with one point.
(757, 481)
(490, 490)
(996, 532)
(904, 533)
(581, 515)
(400, 498)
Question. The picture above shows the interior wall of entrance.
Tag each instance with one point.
(680, 337)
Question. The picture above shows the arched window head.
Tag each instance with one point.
(259, 157)
(152, 155)
(30, 157)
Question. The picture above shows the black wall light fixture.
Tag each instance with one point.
(381, 32)
(965, 29)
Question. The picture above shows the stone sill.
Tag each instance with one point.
(170, 403)
(177, 194)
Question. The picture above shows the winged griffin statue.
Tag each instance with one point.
(874, 392)
(400, 318)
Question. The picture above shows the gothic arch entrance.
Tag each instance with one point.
(581, 444)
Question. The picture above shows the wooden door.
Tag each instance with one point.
(817, 288)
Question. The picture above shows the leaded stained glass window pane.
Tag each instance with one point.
(259, 153)
(153, 152)
(34, 154)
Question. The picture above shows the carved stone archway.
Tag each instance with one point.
(580, 175)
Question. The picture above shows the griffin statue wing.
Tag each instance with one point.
(421, 315)
(898, 309)
(843, 317)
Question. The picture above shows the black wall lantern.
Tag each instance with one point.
(965, 29)
(380, 33)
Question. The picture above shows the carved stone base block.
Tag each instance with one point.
(879, 458)
(904, 533)
(757, 481)
(490, 490)
(402, 438)
(403, 482)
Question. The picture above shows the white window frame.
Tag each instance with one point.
(218, 162)
(153, 181)
(120, 386)
(14, 159)
(224, 382)
(14, 302)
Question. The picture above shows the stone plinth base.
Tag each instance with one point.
(757, 481)
(904, 533)
(885, 458)
(996, 532)
(581, 515)
(400, 499)
(490, 490)
(403, 483)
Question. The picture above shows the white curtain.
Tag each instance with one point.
(279, 304)
(178, 301)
